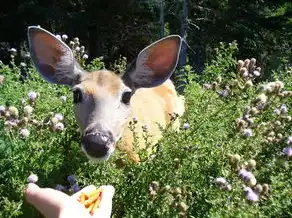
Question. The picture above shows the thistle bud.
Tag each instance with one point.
(251, 164)
(240, 64)
(13, 111)
(266, 188)
(258, 188)
(182, 206)
(155, 185)
(246, 63)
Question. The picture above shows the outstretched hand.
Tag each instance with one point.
(56, 204)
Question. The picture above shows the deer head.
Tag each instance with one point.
(102, 99)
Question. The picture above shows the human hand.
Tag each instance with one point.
(56, 204)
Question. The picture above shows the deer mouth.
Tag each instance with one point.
(98, 146)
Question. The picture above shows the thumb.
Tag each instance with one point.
(48, 201)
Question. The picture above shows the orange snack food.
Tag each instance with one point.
(91, 200)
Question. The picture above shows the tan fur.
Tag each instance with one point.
(149, 105)
(103, 79)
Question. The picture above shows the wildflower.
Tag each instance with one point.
(33, 178)
(186, 126)
(242, 173)
(247, 132)
(289, 141)
(75, 188)
(135, 119)
(1, 80)
(259, 188)
(13, 51)
(13, 111)
(24, 133)
(245, 74)
(240, 64)
(252, 196)
(277, 112)
(228, 187)
(223, 93)
(207, 86)
(145, 128)
(288, 151)
(76, 39)
(77, 49)
(27, 110)
(82, 49)
(220, 181)
(22, 64)
(155, 185)
(59, 126)
(72, 179)
(10, 123)
(71, 43)
(85, 56)
(270, 87)
(235, 158)
(256, 73)
(61, 188)
(2, 109)
(262, 98)
(59, 117)
(63, 99)
(32, 96)
(182, 206)
(283, 109)
(266, 188)
(251, 164)
(279, 85)
(54, 120)
(248, 83)
(64, 37)
(58, 36)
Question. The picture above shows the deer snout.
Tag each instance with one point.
(97, 145)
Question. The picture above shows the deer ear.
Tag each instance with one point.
(53, 58)
(155, 63)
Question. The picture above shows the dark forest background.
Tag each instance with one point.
(110, 28)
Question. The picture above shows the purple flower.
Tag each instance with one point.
(59, 116)
(288, 151)
(252, 196)
(289, 141)
(207, 86)
(75, 188)
(61, 188)
(223, 93)
(72, 179)
(242, 173)
(247, 132)
(186, 126)
(33, 178)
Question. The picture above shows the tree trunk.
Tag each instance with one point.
(183, 53)
(161, 20)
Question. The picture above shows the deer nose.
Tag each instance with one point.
(97, 144)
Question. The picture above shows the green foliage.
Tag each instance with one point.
(223, 63)
(184, 165)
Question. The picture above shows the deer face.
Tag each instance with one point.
(102, 99)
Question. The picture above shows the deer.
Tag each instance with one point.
(104, 102)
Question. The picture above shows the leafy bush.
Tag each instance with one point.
(234, 134)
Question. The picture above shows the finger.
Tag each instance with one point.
(86, 189)
(105, 208)
(48, 201)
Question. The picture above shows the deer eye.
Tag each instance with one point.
(126, 97)
(77, 96)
